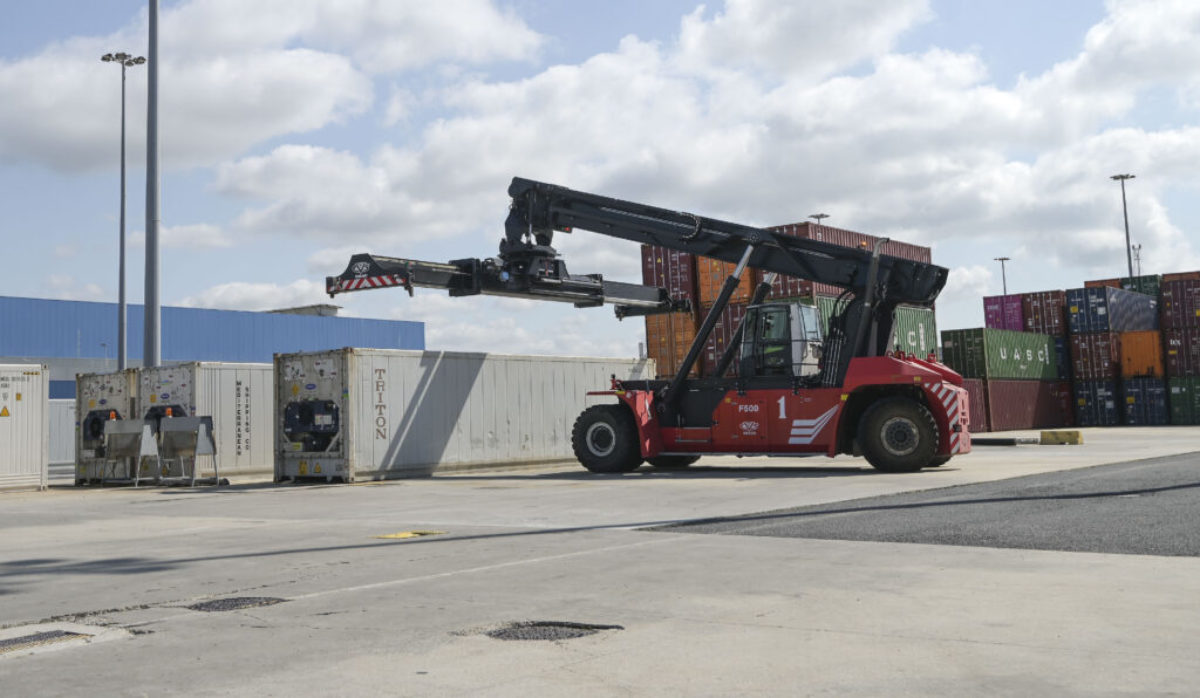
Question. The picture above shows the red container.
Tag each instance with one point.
(1096, 356)
(1044, 312)
(721, 336)
(670, 269)
(849, 238)
(1003, 313)
(977, 396)
(1182, 276)
(1180, 304)
(1014, 404)
(1182, 349)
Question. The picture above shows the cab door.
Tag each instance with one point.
(741, 423)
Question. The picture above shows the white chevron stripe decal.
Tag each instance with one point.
(805, 431)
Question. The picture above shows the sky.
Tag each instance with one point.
(295, 133)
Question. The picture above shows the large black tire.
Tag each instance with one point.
(672, 462)
(605, 439)
(939, 460)
(898, 435)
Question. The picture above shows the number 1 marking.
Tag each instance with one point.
(783, 408)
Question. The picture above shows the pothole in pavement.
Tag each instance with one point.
(546, 630)
(36, 640)
(235, 603)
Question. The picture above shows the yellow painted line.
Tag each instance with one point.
(409, 534)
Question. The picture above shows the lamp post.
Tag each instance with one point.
(1125, 208)
(818, 217)
(1003, 275)
(1137, 258)
(125, 61)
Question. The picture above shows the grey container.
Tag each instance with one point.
(24, 426)
(238, 396)
(352, 414)
(62, 432)
(98, 397)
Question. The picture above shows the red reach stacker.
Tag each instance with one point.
(795, 391)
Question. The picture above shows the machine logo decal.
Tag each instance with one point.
(361, 268)
(310, 386)
(805, 431)
(749, 427)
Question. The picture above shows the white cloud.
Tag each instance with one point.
(258, 296)
(68, 288)
(234, 74)
(199, 236)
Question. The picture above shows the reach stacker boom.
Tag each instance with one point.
(795, 392)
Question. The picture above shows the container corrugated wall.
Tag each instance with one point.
(915, 331)
(1096, 356)
(1182, 351)
(1105, 309)
(977, 399)
(722, 335)
(1004, 313)
(1024, 404)
(1184, 398)
(404, 414)
(24, 426)
(670, 269)
(1045, 312)
(62, 432)
(1144, 402)
(1142, 354)
(1181, 303)
(239, 397)
(1148, 284)
(1096, 403)
(987, 353)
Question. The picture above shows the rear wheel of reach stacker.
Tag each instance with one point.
(605, 439)
(898, 435)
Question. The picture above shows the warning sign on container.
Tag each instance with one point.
(4, 412)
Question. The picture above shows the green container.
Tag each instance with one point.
(1148, 285)
(987, 353)
(915, 331)
(1184, 397)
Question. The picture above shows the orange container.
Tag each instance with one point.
(668, 338)
(711, 274)
(1141, 354)
(1182, 276)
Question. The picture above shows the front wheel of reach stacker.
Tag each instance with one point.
(898, 435)
(605, 439)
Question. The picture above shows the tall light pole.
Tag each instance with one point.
(1137, 258)
(1003, 275)
(152, 337)
(125, 61)
(1125, 208)
(818, 217)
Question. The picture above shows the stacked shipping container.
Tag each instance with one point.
(1180, 321)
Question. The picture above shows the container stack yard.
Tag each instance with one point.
(699, 280)
(1121, 351)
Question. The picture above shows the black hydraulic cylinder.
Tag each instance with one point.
(710, 321)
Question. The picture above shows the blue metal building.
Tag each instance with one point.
(81, 337)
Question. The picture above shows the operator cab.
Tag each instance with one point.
(781, 339)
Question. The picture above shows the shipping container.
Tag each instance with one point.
(1045, 312)
(1004, 354)
(1147, 284)
(1181, 304)
(98, 398)
(1003, 313)
(1096, 403)
(977, 403)
(670, 269)
(722, 334)
(1142, 354)
(24, 426)
(1182, 351)
(1025, 404)
(915, 331)
(62, 432)
(1096, 356)
(239, 397)
(1182, 276)
(668, 338)
(710, 277)
(1105, 309)
(354, 414)
(1184, 398)
(1144, 401)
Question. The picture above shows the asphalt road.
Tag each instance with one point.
(1145, 507)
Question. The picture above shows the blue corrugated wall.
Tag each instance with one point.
(65, 329)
